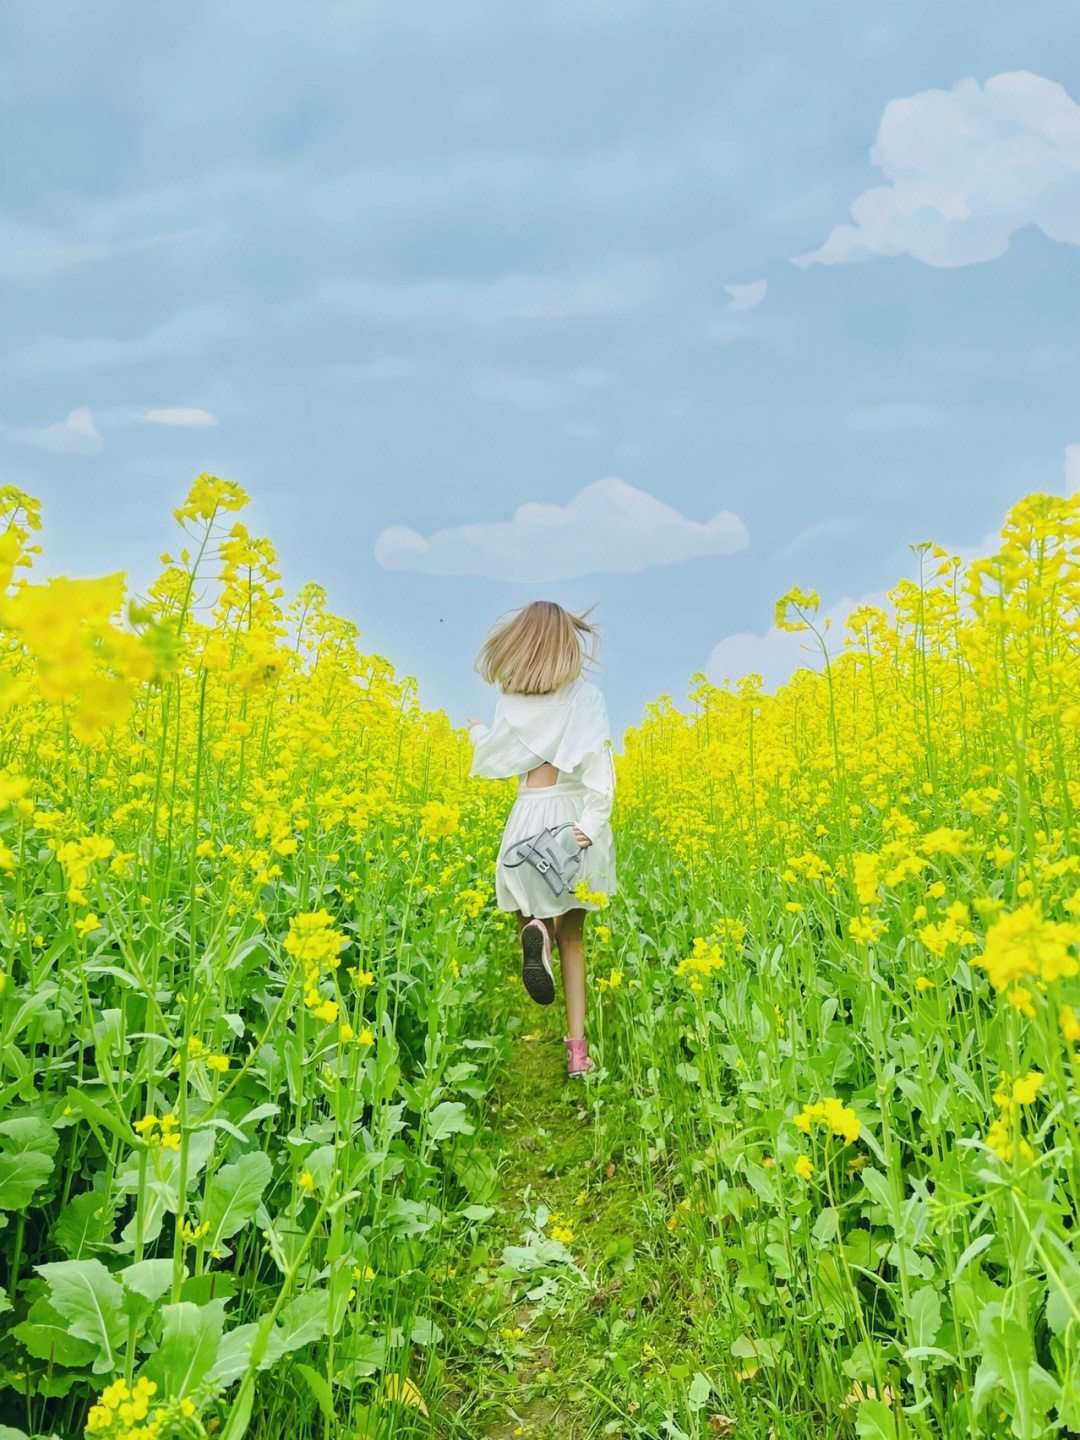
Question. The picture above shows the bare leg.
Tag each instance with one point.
(569, 937)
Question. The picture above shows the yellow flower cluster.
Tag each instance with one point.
(1003, 1136)
(1024, 944)
(163, 1132)
(82, 660)
(867, 871)
(591, 897)
(938, 935)
(704, 960)
(122, 1412)
(438, 819)
(76, 857)
(843, 1122)
(317, 945)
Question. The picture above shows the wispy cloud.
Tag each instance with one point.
(620, 288)
(822, 534)
(527, 392)
(74, 436)
(195, 419)
(746, 297)
(883, 419)
(967, 168)
(38, 262)
(608, 526)
(388, 367)
(188, 333)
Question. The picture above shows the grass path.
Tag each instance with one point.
(575, 1303)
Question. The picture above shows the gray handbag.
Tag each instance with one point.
(550, 853)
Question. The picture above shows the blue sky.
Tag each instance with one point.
(728, 298)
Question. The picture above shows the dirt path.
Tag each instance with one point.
(566, 1266)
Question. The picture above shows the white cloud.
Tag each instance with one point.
(196, 419)
(608, 526)
(38, 262)
(1072, 469)
(745, 297)
(582, 430)
(777, 654)
(967, 168)
(74, 436)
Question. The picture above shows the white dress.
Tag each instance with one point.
(567, 728)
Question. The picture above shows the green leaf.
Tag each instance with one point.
(303, 1320)
(145, 1281)
(324, 1396)
(98, 1115)
(448, 1119)
(699, 1392)
(28, 1132)
(826, 1226)
(233, 1195)
(21, 1175)
(8, 1432)
(89, 1299)
(190, 1339)
(925, 1316)
(875, 1421)
(1010, 1375)
(977, 1246)
(84, 1224)
(425, 1331)
(46, 1335)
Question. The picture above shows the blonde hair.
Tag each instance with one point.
(538, 650)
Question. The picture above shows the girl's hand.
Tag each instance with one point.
(582, 839)
(471, 720)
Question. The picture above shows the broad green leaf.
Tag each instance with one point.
(425, 1331)
(875, 1421)
(84, 1224)
(448, 1119)
(145, 1281)
(925, 1316)
(303, 1319)
(89, 1299)
(233, 1196)
(699, 1392)
(190, 1339)
(234, 1353)
(28, 1132)
(20, 1176)
(46, 1335)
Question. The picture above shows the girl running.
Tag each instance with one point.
(550, 730)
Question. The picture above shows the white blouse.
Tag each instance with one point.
(567, 728)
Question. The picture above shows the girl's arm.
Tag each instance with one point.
(598, 777)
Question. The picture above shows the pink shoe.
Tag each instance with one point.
(578, 1061)
(536, 962)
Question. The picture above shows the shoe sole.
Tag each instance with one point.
(534, 974)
